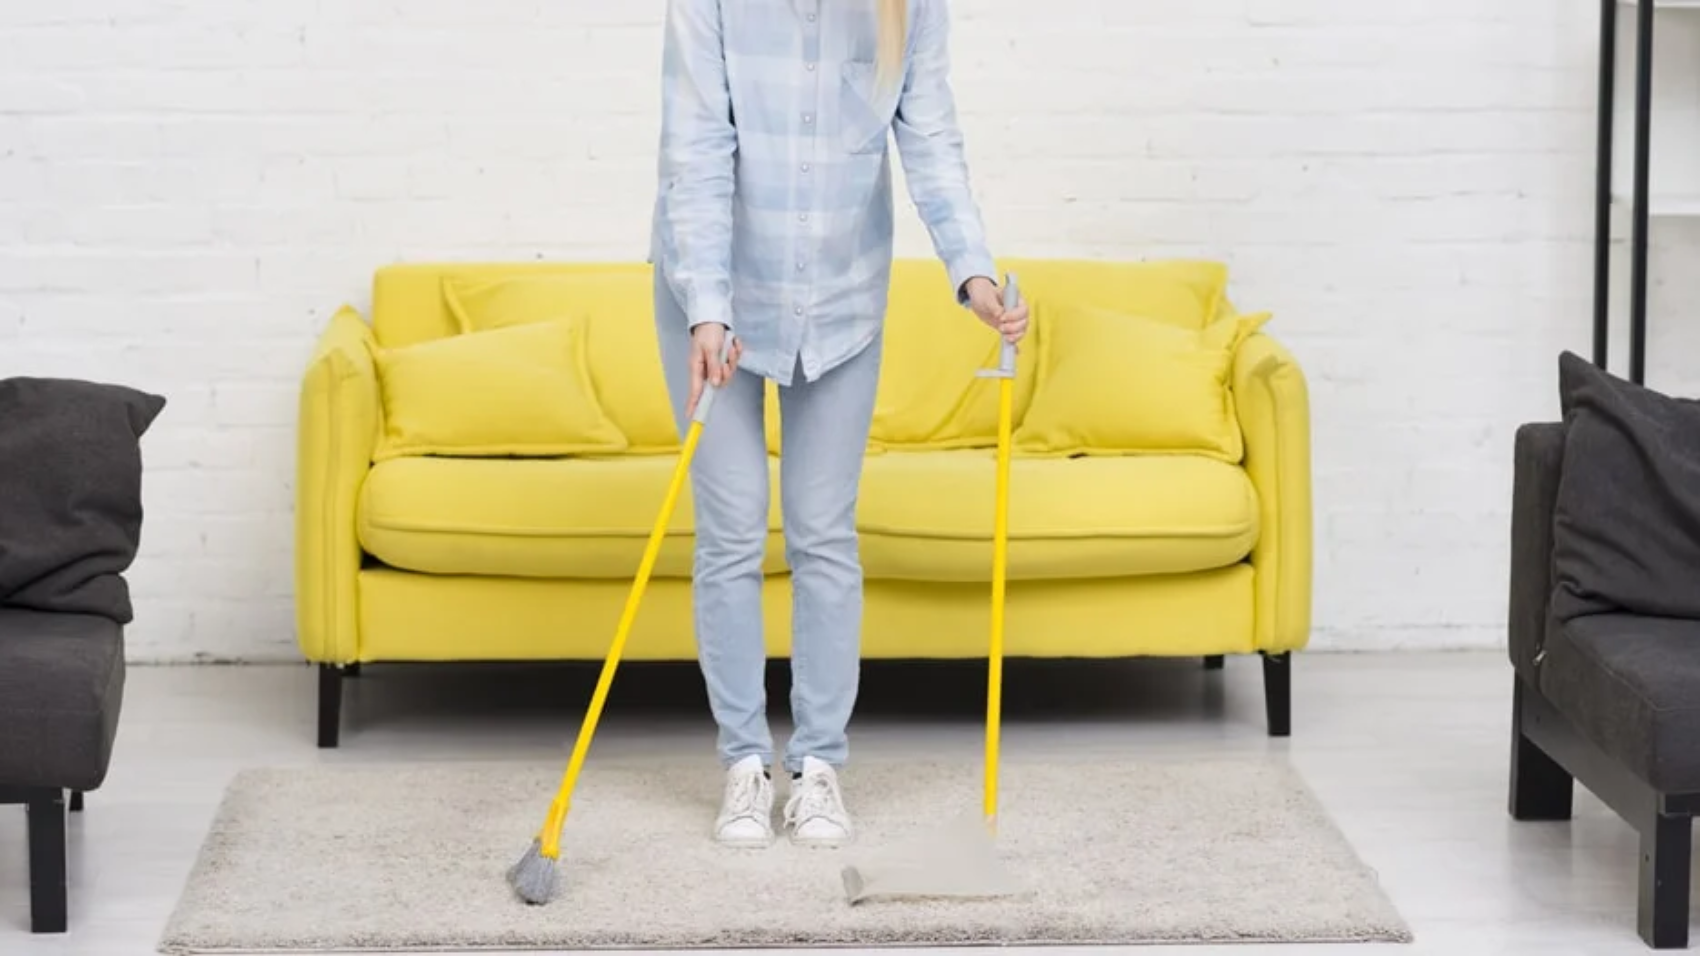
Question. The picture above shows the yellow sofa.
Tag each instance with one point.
(1182, 548)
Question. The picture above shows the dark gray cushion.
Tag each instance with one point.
(70, 493)
(61, 687)
(1628, 684)
(1626, 523)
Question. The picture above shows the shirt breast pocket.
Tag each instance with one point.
(865, 110)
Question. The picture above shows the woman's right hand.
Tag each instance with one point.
(707, 340)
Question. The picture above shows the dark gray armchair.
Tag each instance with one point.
(70, 525)
(1604, 624)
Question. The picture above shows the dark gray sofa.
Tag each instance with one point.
(70, 526)
(1604, 625)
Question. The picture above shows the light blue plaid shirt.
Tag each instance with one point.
(774, 209)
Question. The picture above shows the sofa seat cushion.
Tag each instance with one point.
(61, 688)
(545, 517)
(927, 516)
(1627, 683)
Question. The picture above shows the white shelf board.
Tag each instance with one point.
(1662, 207)
(1674, 177)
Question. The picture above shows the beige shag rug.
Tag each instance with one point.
(412, 858)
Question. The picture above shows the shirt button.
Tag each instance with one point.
(811, 18)
(799, 267)
(810, 67)
(805, 167)
(798, 310)
(808, 117)
(802, 217)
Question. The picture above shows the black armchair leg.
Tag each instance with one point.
(1540, 788)
(1278, 693)
(46, 809)
(76, 801)
(330, 706)
(1666, 848)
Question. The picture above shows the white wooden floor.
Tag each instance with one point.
(1407, 751)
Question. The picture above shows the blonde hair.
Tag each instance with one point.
(893, 37)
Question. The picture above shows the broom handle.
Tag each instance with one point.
(1000, 560)
(551, 835)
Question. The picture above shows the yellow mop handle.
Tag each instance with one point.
(1005, 374)
(550, 837)
(1000, 570)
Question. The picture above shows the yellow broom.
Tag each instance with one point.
(534, 877)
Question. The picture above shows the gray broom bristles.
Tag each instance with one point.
(534, 876)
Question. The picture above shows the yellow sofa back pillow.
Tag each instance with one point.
(622, 352)
(518, 391)
(1119, 384)
(929, 396)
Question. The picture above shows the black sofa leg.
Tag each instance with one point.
(1541, 789)
(1215, 662)
(1666, 848)
(46, 810)
(330, 706)
(1278, 693)
(76, 801)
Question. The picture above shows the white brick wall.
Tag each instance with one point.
(188, 189)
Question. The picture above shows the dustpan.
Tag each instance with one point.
(960, 859)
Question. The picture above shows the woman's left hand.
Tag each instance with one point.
(986, 299)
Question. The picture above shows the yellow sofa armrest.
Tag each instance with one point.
(1273, 404)
(336, 433)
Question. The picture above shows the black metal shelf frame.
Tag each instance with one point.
(1639, 212)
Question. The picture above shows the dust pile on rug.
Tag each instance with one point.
(385, 858)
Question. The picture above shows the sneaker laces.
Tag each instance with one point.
(742, 794)
(816, 796)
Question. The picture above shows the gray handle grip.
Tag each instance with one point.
(706, 402)
(1011, 299)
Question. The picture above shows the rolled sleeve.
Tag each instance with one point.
(930, 143)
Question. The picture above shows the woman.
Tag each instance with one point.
(773, 225)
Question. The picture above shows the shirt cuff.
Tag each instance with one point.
(711, 310)
(968, 267)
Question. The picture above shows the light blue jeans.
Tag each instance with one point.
(825, 435)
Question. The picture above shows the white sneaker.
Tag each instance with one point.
(815, 812)
(746, 811)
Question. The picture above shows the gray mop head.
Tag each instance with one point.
(533, 877)
(958, 861)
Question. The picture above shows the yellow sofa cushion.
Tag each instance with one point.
(523, 391)
(535, 518)
(617, 309)
(928, 516)
(770, 417)
(1189, 293)
(923, 517)
(1115, 383)
(929, 395)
